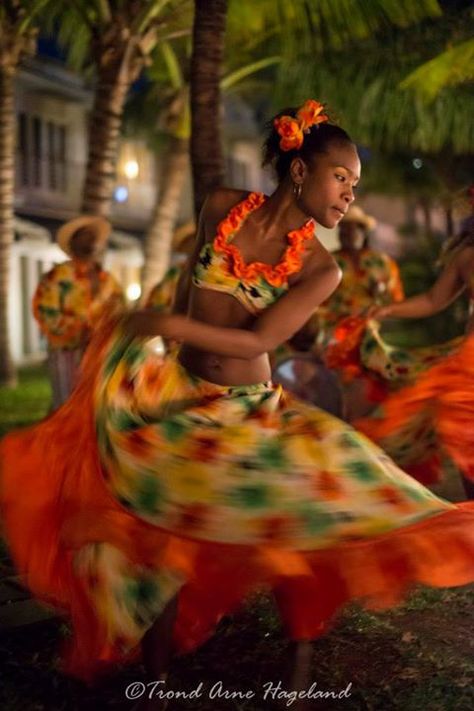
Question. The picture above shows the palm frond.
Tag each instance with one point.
(452, 67)
(149, 12)
(175, 74)
(239, 74)
(366, 97)
(34, 10)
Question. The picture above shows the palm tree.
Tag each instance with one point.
(17, 40)
(206, 66)
(117, 36)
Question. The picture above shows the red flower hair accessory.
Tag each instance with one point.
(292, 128)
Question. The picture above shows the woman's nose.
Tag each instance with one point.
(349, 195)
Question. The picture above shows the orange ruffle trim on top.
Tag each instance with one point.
(54, 501)
(277, 275)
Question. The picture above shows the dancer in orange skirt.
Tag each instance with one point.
(168, 488)
(435, 415)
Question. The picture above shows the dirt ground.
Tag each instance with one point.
(420, 656)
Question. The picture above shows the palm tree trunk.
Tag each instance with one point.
(7, 185)
(104, 131)
(206, 64)
(158, 240)
(449, 221)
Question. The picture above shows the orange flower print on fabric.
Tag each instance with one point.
(275, 275)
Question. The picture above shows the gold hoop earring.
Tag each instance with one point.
(297, 188)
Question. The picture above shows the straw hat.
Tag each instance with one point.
(99, 225)
(357, 215)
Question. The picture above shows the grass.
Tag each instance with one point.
(28, 402)
(418, 656)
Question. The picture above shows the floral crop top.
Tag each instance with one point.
(256, 285)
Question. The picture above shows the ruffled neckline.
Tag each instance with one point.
(276, 275)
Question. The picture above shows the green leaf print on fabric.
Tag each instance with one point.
(114, 358)
(48, 310)
(64, 288)
(415, 494)
(173, 429)
(271, 454)
(317, 520)
(134, 354)
(350, 440)
(252, 497)
(123, 420)
(148, 494)
(141, 596)
(364, 471)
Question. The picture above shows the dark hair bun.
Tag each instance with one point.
(317, 140)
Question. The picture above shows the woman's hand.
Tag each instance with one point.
(379, 312)
(144, 322)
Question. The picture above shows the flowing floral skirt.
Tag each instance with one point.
(432, 417)
(151, 482)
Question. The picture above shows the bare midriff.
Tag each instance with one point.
(225, 311)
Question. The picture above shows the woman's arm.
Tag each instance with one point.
(276, 325)
(447, 288)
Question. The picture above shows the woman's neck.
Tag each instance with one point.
(279, 213)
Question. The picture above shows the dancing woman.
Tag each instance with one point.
(419, 423)
(167, 489)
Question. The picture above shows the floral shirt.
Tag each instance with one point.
(66, 308)
(374, 280)
(161, 297)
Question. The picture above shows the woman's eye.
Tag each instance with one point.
(340, 177)
(355, 188)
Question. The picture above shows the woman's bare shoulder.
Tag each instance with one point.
(319, 257)
(316, 260)
(220, 201)
(217, 206)
(465, 262)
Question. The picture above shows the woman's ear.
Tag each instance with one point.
(298, 170)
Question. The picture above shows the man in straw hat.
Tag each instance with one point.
(72, 297)
(368, 277)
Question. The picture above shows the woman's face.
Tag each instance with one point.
(328, 183)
